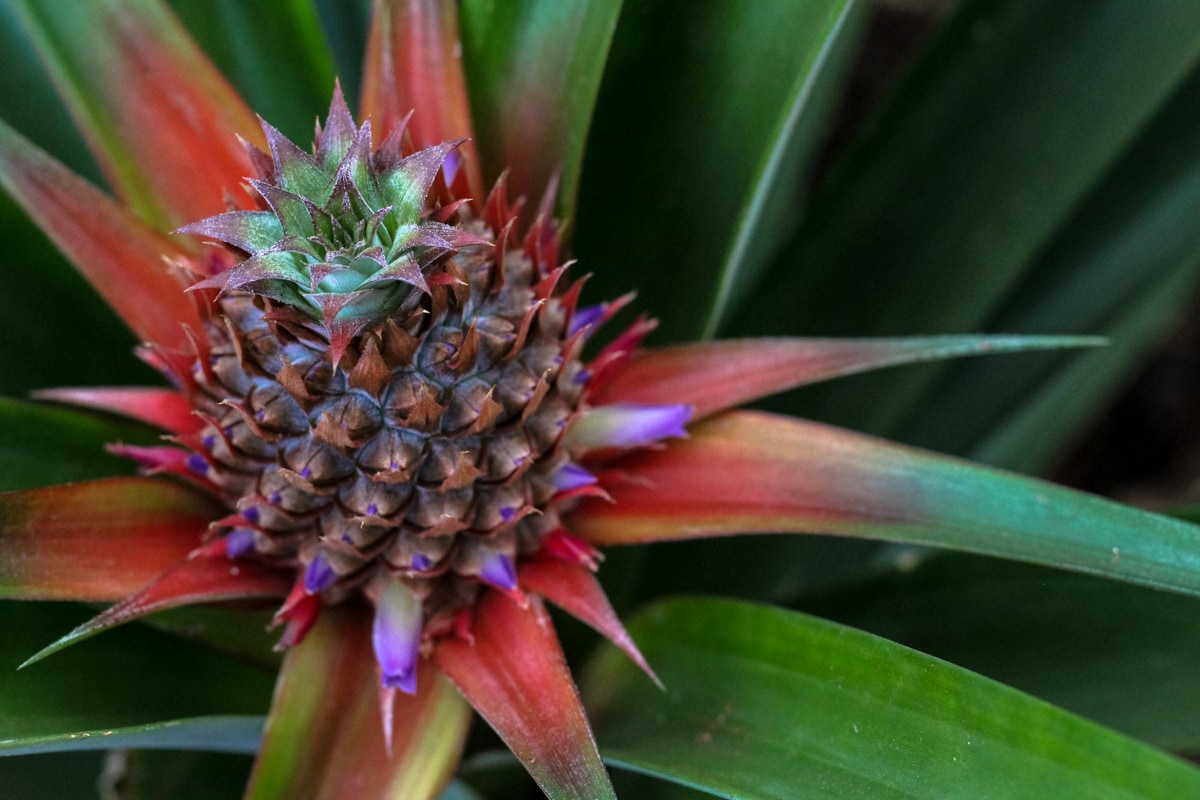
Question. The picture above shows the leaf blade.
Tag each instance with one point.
(751, 472)
(98, 541)
(801, 708)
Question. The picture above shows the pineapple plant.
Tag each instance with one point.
(382, 409)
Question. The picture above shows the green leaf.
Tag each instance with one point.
(1118, 654)
(126, 678)
(219, 734)
(765, 703)
(49, 309)
(273, 52)
(34, 352)
(533, 71)
(707, 114)
(43, 445)
(1016, 112)
(237, 632)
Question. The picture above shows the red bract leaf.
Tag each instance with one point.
(744, 472)
(205, 578)
(414, 62)
(748, 472)
(97, 541)
(515, 676)
(125, 261)
(573, 588)
(159, 117)
(714, 376)
(163, 408)
(324, 737)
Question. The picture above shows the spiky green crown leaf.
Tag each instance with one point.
(344, 235)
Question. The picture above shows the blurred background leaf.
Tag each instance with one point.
(944, 213)
(274, 52)
(711, 110)
(533, 68)
(45, 445)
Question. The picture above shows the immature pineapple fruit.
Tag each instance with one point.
(386, 383)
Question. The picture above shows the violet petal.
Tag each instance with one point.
(585, 316)
(498, 570)
(396, 636)
(572, 476)
(238, 542)
(319, 575)
(628, 425)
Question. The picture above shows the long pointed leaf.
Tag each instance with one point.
(325, 734)
(764, 703)
(163, 408)
(533, 71)
(217, 734)
(202, 579)
(714, 376)
(124, 260)
(1124, 266)
(97, 541)
(751, 472)
(160, 119)
(515, 676)
(573, 588)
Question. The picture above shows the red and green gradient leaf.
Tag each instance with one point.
(414, 64)
(97, 541)
(201, 578)
(714, 376)
(533, 71)
(123, 259)
(329, 744)
(162, 408)
(744, 472)
(516, 677)
(160, 119)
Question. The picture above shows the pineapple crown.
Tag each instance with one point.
(343, 236)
